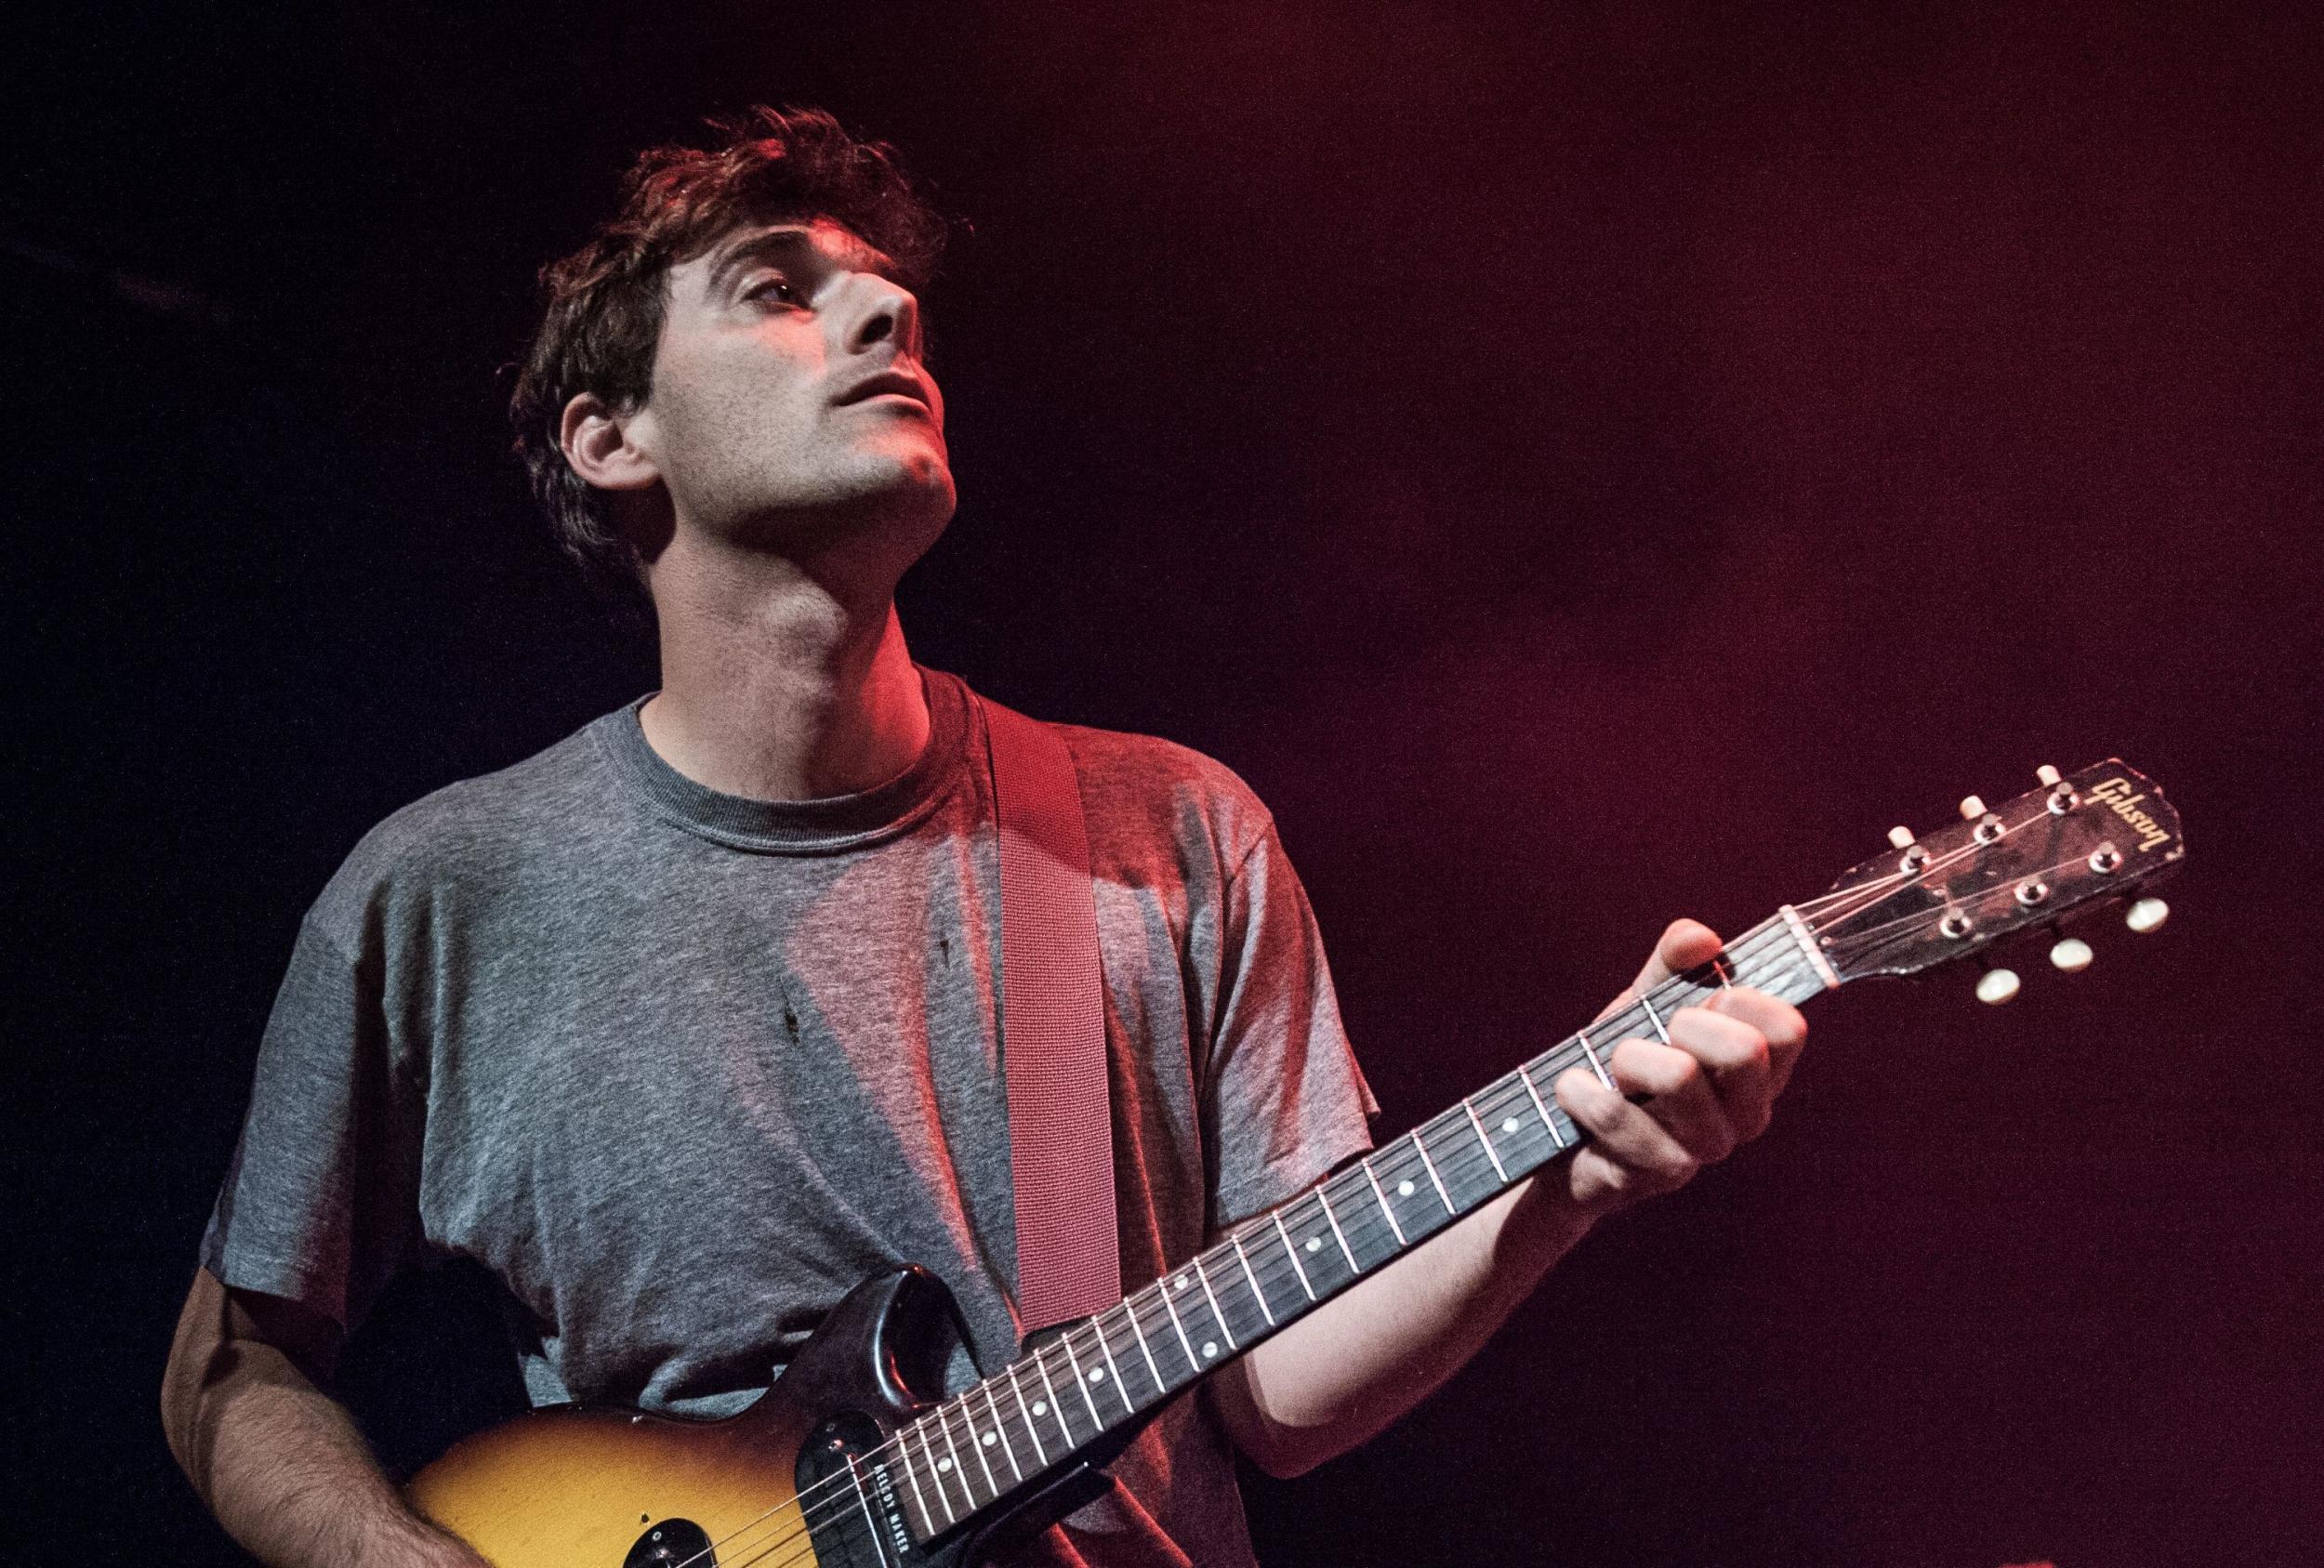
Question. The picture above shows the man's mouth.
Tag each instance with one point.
(887, 383)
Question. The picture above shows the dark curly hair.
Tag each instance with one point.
(603, 308)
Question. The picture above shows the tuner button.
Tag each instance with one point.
(1996, 986)
(2046, 774)
(1972, 808)
(2147, 914)
(2072, 955)
(1901, 838)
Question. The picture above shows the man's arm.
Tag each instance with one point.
(278, 1461)
(1356, 1364)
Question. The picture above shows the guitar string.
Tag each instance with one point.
(1507, 1090)
(835, 1503)
(805, 1501)
(1866, 894)
(1362, 1229)
(1879, 888)
(1862, 940)
(1462, 1162)
(941, 1414)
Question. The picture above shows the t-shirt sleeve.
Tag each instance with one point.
(1283, 1099)
(321, 1202)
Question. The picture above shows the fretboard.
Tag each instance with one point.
(963, 1455)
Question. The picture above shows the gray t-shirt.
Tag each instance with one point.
(679, 1069)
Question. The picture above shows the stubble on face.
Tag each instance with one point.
(762, 334)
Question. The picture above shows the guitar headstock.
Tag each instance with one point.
(2102, 833)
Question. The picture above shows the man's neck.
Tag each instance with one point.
(777, 688)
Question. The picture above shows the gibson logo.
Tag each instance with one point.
(2114, 795)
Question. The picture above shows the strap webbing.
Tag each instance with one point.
(1052, 1012)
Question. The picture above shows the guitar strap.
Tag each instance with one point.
(1052, 1026)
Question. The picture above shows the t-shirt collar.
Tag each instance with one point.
(820, 826)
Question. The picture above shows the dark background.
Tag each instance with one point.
(1581, 464)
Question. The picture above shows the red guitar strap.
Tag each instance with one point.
(1053, 1012)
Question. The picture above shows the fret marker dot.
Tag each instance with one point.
(988, 1440)
(1404, 1189)
(943, 1465)
(1185, 1282)
(1040, 1407)
(1314, 1244)
(1098, 1376)
(1210, 1348)
(1508, 1124)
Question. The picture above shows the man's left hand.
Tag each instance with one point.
(1708, 1091)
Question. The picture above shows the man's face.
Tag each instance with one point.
(790, 407)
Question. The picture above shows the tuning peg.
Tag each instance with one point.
(2047, 776)
(1915, 856)
(2147, 914)
(2072, 955)
(1972, 808)
(1996, 986)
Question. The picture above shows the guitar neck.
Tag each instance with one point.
(1107, 1372)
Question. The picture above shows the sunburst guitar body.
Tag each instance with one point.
(802, 1478)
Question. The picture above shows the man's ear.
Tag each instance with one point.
(598, 443)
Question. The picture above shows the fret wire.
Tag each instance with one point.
(1160, 1388)
(1081, 1382)
(1056, 1405)
(1121, 1390)
(1209, 1295)
(1293, 1254)
(1192, 1364)
(937, 1480)
(863, 1501)
(1654, 1017)
(928, 1519)
(1000, 1426)
(1547, 1120)
(1338, 1234)
(1517, 1098)
(992, 1483)
(967, 1426)
(1592, 1052)
(1026, 1411)
(1383, 1200)
(1435, 1180)
(1509, 1102)
(953, 1449)
(1498, 1169)
(1243, 1259)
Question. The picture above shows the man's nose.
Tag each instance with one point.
(886, 312)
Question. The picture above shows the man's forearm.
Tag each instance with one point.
(290, 1478)
(1654, 1115)
(1354, 1365)
(280, 1462)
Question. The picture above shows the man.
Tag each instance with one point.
(684, 1025)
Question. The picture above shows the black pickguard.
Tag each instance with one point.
(875, 1365)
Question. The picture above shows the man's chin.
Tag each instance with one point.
(895, 508)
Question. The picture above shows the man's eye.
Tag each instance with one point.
(777, 289)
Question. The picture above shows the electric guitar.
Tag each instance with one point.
(855, 1459)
